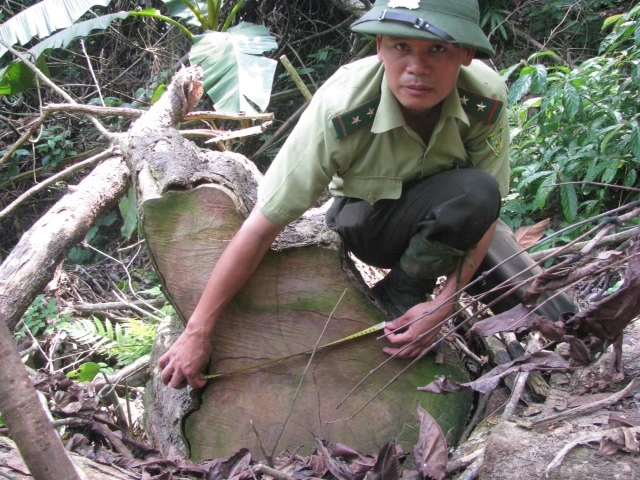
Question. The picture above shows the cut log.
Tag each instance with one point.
(281, 311)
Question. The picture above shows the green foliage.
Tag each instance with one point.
(56, 146)
(86, 373)
(129, 210)
(2, 424)
(97, 236)
(125, 341)
(577, 124)
(40, 317)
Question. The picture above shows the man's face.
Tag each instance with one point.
(421, 74)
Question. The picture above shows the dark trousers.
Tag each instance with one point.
(454, 209)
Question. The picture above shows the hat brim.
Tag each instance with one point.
(467, 33)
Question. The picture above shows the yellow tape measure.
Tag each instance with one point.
(361, 333)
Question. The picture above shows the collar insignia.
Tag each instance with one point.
(410, 4)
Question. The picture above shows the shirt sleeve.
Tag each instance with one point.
(488, 148)
(303, 168)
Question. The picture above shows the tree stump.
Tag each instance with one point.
(192, 202)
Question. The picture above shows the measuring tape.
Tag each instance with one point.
(361, 333)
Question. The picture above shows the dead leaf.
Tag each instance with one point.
(616, 420)
(617, 439)
(553, 280)
(578, 351)
(430, 453)
(554, 331)
(388, 464)
(222, 469)
(541, 360)
(529, 235)
(517, 319)
(337, 468)
(611, 315)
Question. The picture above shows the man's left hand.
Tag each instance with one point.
(429, 325)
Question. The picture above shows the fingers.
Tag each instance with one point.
(177, 377)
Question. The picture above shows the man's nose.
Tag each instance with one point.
(419, 65)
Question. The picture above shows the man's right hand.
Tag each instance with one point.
(186, 359)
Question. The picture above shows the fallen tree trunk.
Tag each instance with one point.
(32, 262)
(191, 203)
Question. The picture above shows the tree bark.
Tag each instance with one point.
(14, 465)
(32, 262)
(26, 418)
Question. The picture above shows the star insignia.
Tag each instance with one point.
(481, 107)
(355, 120)
(371, 112)
(464, 100)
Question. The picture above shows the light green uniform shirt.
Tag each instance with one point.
(378, 152)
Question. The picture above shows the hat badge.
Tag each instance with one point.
(410, 4)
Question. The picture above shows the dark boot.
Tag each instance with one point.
(398, 292)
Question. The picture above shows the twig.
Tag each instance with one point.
(260, 444)
(480, 408)
(56, 178)
(43, 173)
(134, 113)
(597, 184)
(14, 148)
(304, 373)
(516, 393)
(113, 440)
(93, 74)
(9, 124)
(473, 470)
(101, 307)
(465, 461)
(220, 136)
(313, 82)
(324, 32)
(296, 78)
(272, 472)
(615, 239)
(54, 87)
(594, 437)
(584, 409)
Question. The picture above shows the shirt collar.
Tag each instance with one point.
(389, 116)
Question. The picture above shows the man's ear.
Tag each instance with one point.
(379, 46)
(469, 54)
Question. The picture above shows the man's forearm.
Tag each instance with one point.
(470, 264)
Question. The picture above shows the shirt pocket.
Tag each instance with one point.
(372, 189)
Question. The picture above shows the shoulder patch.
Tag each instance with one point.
(483, 108)
(356, 119)
(496, 141)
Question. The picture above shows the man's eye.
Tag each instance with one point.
(438, 48)
(403, 47)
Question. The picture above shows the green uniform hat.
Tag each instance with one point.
(455, 22)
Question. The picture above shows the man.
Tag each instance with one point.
(413, 144)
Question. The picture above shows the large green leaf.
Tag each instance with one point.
(177, 8)
(234, 75)
(18, 77)
(43, 19)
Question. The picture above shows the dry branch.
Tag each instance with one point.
(591, 407)
(51, 180)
